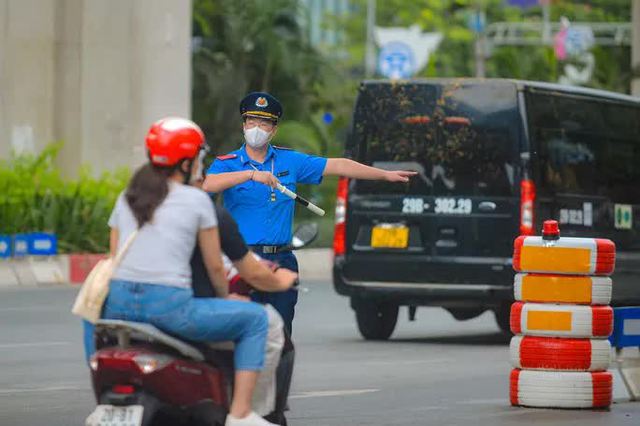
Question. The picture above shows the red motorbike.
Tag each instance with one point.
(142, 376)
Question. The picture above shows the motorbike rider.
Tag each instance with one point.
(153, 281)
(244, 267)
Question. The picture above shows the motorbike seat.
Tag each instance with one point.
(140, 331)
(130, 330)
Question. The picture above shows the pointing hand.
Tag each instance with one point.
(399, 175)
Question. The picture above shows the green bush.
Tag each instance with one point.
(35, 197)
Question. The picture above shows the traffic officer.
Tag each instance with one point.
(248, 176)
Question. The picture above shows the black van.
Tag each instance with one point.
(494, 159)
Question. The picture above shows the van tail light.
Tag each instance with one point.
(527, 201)
(339, 235)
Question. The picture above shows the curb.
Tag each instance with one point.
(33, 271)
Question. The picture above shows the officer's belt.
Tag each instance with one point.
(269, 249)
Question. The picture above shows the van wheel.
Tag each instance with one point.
(464, 314)
(376, 321)
(503, 318)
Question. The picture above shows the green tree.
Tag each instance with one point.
(455, 58)
(247, 46)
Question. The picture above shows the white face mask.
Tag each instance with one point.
(256, 137)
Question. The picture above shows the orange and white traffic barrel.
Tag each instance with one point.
(540, 319)
(555, 255)
(576, 289)
(553, 353)
(557, 389)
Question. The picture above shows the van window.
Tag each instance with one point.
(462, 138)
(585, 146)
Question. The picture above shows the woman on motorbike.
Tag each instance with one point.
(153, 281)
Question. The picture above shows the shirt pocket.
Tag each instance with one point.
(250, 194)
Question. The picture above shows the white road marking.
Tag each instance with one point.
(32, 345)
(401, 363)
(70, 387)
(329, 393)
(30, 308)
(493, 401)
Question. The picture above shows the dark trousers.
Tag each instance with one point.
(284, 302)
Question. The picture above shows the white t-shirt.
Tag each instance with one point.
(161, 252)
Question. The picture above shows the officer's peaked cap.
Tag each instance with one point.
(262, 105)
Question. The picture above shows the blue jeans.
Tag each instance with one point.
(175, 311)
(285, 301)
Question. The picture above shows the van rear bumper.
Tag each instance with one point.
(404, 289)
(439, 282)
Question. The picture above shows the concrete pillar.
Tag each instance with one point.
(135, 68)
(635, 48)
(163, 68)
(67, 120)
(92, 73)
(26, 74)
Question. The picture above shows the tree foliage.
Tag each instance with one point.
(455, 58)
(248, 46)
(35, 197)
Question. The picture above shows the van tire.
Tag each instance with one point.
(503, 318)
(376, 321)
(464, 314)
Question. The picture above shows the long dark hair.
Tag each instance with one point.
(147, 189)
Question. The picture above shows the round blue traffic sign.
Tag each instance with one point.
(396, 60)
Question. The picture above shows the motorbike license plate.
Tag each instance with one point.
(111, 415)
(390, 236)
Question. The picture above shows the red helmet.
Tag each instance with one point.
(173, 139)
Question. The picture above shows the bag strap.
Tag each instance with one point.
(120, 254)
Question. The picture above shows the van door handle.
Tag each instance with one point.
(487, 206)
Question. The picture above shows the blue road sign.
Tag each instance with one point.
(626, 327)
(477, 21)
(578, 40)
(35, 244)
(396, 60)
(524, 4)
(5, 246)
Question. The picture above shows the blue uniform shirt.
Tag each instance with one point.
(262, 221)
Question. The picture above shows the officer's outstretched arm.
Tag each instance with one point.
(352, 169)
(260, 277)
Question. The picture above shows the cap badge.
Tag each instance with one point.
(261, 102)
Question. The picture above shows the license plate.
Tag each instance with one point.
(110, 415)
(390, 236)
(453, 206)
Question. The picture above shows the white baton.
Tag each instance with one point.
(308, 204)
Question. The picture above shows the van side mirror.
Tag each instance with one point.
(304, 234)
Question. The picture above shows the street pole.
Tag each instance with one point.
(635, 48)
(546, 22)
(370, 52)
(480, 44)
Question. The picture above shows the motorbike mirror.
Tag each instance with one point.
(304, 235)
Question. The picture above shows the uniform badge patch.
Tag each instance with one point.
(261, 102)
(227, 157)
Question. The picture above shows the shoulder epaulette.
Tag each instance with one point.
(282, 147)
(227, 157)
